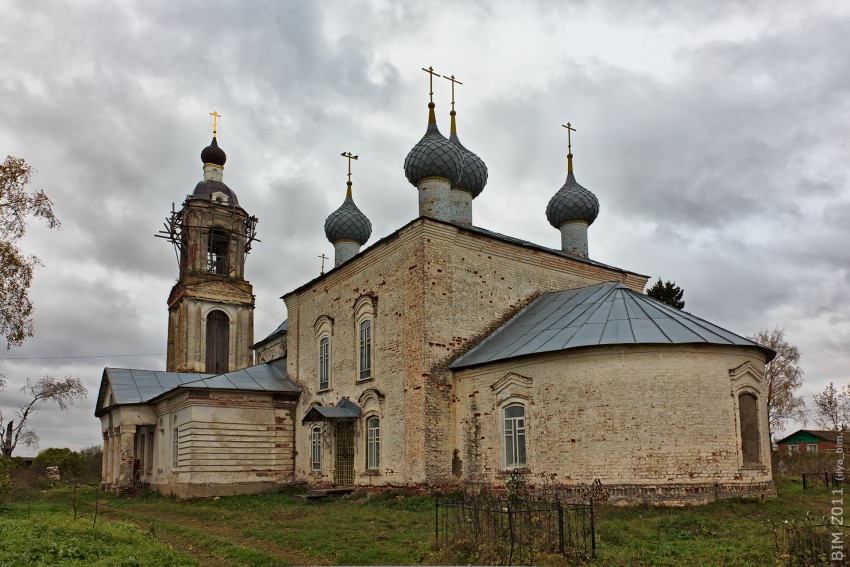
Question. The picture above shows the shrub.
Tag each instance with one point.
(71, 464)
(5, 479)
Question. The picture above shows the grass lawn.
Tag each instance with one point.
(275, 529)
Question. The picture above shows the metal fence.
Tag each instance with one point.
(825, 479)
(810, 543)
(490, 530)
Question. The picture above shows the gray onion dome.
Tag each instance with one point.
(433, 156)
(572, 203)
(214, 155)
(474, 176)
(348, 223)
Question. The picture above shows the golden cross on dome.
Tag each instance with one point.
(453, 80)
(569, 128)
(323, 257)
(350, 157)
(215, 116)
(431, 72)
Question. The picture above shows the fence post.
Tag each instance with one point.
(560, 527)
(437, 521)
(511, 530)
(826, 479)
(804, 481)
(592, 528)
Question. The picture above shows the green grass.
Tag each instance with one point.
(42, 532)
(276, 529)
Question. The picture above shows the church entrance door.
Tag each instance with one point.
(344, 472)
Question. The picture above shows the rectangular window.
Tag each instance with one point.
(316, 452)
(175, 447)
(793, 448)
(324, 363)
(812, 448)
(366, 349)
(373, 444)
(515, 436)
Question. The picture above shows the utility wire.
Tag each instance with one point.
(78, 357)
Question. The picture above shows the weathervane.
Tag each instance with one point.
(431, 72)
(453, 80)
(215, 116)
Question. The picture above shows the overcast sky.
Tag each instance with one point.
(714, 135)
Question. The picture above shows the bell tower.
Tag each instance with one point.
(211, 307)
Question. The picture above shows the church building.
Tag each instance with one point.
(440, 355)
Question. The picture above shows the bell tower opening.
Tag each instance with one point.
(219, 252)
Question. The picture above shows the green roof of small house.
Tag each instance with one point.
(810, 436)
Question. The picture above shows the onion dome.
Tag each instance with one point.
(474, 176)
(572, 202)
(213, 155)
(348, 223)
(433, 156)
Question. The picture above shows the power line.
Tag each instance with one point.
(78, 357)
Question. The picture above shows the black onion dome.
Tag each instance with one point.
(348, 223)
(206, 188)
(474, 176)
(214, 155)
(572, 203)
(433, 156)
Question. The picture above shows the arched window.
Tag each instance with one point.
(316, 449)
(324, 363)
(514, 428)
(748, 419)
(219, 246)
(365, 349)
(218, 342)
(373, 443)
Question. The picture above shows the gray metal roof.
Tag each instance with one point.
(281, 329)
(345, 409)
(130, 386)
(268, 377)
(604, 314)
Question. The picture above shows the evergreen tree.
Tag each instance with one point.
(667, 292)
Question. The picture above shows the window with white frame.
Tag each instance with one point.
(793, 448)
(324, 363)
(373, 443)
(514, 428)
(365, 349)
(175, 447)
(316, 449)
(812, 448)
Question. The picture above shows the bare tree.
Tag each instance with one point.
(832, 407)
(16, 268)
(48, 389)
(784, 377)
